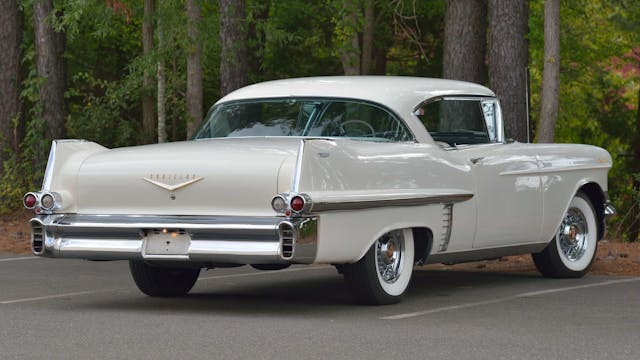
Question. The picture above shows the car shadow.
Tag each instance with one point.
(317, 295)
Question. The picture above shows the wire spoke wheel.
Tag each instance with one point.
(573, 235)
(389, 255)
(573, 248)
(383, 274)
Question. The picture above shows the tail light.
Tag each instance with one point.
(41, 202)
(30, 200)
(279, 203)
(290, 204)
(297, 203)
(47, 201)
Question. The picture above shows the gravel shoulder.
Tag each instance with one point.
(613, 257)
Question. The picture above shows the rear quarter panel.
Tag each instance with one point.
(348, 170)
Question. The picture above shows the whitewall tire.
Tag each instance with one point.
(571, 252)
(383, 275)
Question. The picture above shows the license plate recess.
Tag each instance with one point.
(167, 242)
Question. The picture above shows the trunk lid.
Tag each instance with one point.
(227, 176)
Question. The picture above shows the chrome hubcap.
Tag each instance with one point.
(389, 256)
(573, 235)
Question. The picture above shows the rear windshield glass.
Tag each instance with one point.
(303, 117)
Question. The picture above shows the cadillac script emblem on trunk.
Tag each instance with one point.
(172, 182)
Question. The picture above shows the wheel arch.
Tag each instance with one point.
(423, 243)
(597, 197)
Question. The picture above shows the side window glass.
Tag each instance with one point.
(455, 121)
(359, 120)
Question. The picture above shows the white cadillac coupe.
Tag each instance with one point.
(370, 174)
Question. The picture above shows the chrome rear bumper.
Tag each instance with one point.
(206, 239)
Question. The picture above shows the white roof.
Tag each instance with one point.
(399, 93)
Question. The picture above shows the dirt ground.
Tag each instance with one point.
(613, 257)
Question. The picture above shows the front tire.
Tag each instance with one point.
(382, 276)
(163, 281)
(571, 252)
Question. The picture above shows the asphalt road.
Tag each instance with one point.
(73, 309)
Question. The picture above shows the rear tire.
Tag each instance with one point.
(571, 252)
(163, 281)
(383, 275)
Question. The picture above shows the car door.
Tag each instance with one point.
(507, 184)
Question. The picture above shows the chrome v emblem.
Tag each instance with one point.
(173, 187)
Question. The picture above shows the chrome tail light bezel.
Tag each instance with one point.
(39, 207)
(287, 210)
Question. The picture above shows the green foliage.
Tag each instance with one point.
(418, 28)
(598, 95)
(299, 41)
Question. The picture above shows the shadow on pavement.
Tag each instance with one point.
(313, 295)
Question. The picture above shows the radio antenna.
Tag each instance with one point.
(526, 80)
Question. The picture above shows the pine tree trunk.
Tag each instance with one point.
(551, 73)
(350, 47)
(148, 98)
(366, 61)
(161, 97)
(50, 67)
(10, 76)
(465, 39)
(508, 61)
(233, 36)
(634, 229)
(194, 69)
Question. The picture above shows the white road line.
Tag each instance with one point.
(550, 291)
(56, 296)
(90, 292)
(21, 258)
(441, 309)
(509, 298)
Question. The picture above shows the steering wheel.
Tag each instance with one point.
(358, 131)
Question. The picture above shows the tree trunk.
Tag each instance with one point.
(194, 69)
(634, 228)
(380, 59)
(551, 74)
(349, 48)
(367, 37)
(10, 76)
(508, 61)
(49, 47)
(162, 114)
(148, 100)
(465, 39)
(233, 36)
(256, 48)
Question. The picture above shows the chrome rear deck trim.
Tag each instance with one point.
(369, 204)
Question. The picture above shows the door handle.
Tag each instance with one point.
(475, 161)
